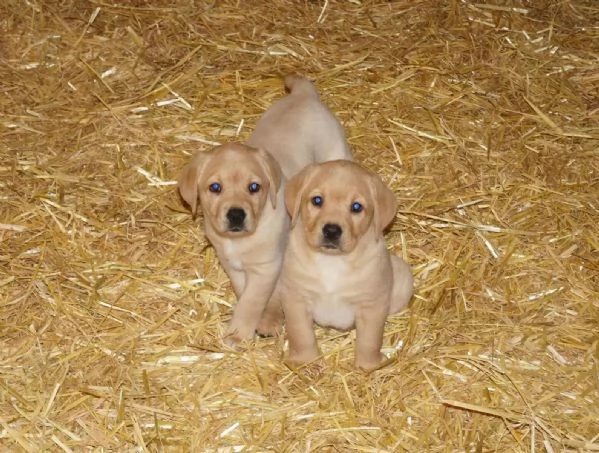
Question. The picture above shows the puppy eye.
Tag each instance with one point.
(356, 207)
(254, 187)
(317, 200)
(215, 187)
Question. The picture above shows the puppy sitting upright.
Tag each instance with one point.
(337, 269)
(240, 187)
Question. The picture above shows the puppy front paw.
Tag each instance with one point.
(232, 342)
(235, 337)
(300, 358)
(270, 325)
(372, 362)
(310, 366)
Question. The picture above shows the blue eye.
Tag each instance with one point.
(254, 187)
(215, 187)
(356, 207)
(317, 200)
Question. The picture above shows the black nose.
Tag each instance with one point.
(332, 231)
(236, 217)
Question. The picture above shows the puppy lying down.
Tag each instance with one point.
(337, 270)
(240, 188)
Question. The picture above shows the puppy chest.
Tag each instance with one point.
(334, 293)
(332, 275)
(334, 312)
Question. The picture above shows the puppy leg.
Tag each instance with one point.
(300, 330)
(403, 285)
(237, 281)
(370, 326)
(271, 322)
(250, 305)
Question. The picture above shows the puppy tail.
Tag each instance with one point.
(296, 84)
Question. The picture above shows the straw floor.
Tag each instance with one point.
(482, 117)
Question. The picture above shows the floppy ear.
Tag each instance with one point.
(294, 191)
(385, 203)
(189, 178)
(273, 170)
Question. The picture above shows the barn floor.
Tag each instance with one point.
(483, 117)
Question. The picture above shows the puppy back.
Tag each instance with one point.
(296, 84)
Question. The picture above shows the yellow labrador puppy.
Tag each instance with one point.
(337, 269)
(240, 188)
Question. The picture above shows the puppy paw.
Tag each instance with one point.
(232, 342)
(311, 369)
(298, 359)
(372, 363)
(270, 326)
(235, 338)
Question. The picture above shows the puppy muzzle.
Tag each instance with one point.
(330, 236)
(236, 220)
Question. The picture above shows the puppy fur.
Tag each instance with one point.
(240, 188)
(337, 270)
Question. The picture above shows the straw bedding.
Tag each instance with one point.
(481, 116)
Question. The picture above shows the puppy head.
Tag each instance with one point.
(338, 202)
(232, 184)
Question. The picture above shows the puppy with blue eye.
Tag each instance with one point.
(337, 270)
(240, 188)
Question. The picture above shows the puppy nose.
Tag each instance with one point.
(236, 217)
(331, 231)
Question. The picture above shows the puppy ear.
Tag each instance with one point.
(385, 203)
(294, 191)
(274, 173)
(189, 179)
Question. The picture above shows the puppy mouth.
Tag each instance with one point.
(236, 229)
(330, 247)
